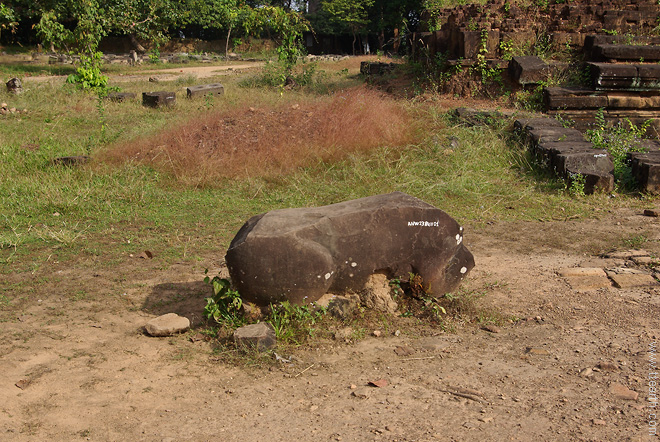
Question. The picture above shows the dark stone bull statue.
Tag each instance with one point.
(301, 254)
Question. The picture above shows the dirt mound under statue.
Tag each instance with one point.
(301, 254)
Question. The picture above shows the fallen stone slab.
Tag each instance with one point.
(205, 89)
(588, 283)
(167, 325)
(121, 96)
(619, 76)
(158, 99)
(581, 271)
(301, 254)
(603, 39)
(259, 336)
(646, 261)
(572, 98)
(528, 69)
(585, 279)
(581, 99)
(631, 280)
(648, 72)
(646, 170)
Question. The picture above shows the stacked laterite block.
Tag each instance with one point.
(624, 85)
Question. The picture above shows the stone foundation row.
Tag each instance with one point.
(567, 153)
(164, 99)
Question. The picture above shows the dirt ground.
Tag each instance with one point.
(76, 364)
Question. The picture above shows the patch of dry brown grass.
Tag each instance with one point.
(271, 140)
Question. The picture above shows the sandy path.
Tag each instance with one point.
(164, 74)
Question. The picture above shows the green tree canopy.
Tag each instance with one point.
(353, 14)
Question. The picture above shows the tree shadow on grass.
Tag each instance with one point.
(183, 298)
(21, 69)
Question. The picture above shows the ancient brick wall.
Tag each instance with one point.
(466, 30)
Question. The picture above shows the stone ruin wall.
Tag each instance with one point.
(562, 24)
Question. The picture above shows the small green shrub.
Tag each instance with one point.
(88, 75)
(618, 140)
(294, 323)
(279, 75)
(576, 187)
(154, 56)
(481, 68)
(224, 307)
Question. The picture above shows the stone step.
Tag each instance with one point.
(583, 119)
(596, 160)
(527, 124)
(620, 52)
(633, 77)
(580, 98)
(551, 134)
(547, 150)
(572, 98)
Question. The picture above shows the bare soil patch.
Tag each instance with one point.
(76, 363)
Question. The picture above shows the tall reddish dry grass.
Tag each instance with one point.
(270, 141)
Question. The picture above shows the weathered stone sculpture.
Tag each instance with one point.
(301, 254)
(14, 86)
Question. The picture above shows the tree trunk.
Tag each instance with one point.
(136, 44)
(397, 41)
(227, 42)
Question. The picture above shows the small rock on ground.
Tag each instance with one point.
(167, 325)
(623, 392)
(260, 336)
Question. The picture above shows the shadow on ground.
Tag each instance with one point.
(183, 298)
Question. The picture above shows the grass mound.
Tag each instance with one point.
(271, 139)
